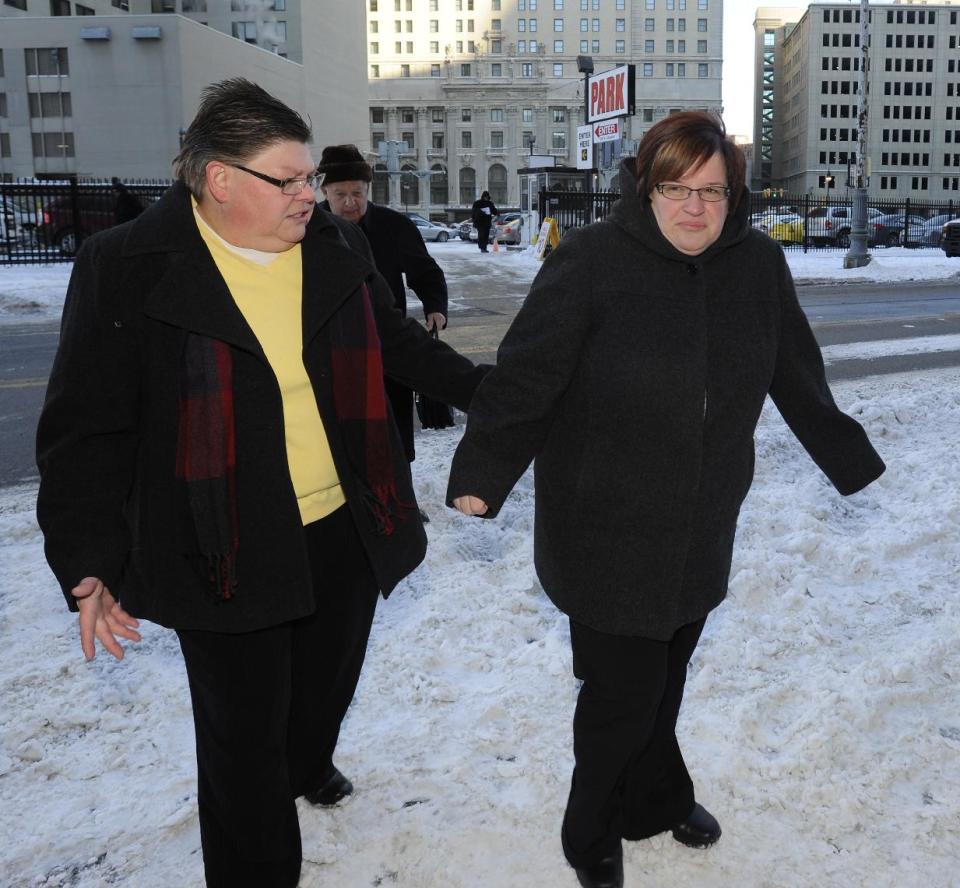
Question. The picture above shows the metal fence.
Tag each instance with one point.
(802, 223)
(45, 222)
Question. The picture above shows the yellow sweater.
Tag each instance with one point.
(267, 289)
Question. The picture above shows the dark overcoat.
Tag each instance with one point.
(109, 505)
(399, 252)
(634, 375)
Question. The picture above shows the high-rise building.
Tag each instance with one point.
(105, 87)
(913, 90)
(471, 89)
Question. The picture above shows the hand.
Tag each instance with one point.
(436, 319)
(101, 617)
(470, 505)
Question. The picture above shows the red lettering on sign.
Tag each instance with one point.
(594, 89)
(619, 100)
(610, 95)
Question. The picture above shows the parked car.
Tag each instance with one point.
(931, 232)
(787, 230)
(951, 238)
(468, 231)
(507, 228)
(888, 231)
(431, 231)
(15, 225)
(769, 221)
(58, 228)
(830, 225)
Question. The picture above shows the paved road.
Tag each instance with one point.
(482, 314)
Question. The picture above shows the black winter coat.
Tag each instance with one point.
(479, 217)
(635, 376)
(108, 503)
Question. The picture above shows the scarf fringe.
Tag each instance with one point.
(385, 507)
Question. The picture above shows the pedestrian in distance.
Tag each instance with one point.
(126, 205)
(398, 250)
(634, 375)
(482, 216)
(216, 455)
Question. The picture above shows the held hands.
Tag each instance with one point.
(102, 618)
(436, 320)
(470, 505)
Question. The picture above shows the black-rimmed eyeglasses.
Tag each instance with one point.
(709, 193)
(291, 187)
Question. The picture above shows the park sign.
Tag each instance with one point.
(611, 94)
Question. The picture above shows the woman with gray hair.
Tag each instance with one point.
(634, 376)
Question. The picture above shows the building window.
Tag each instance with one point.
(496, 138)
(558, 69)
(703, 70)
(374, 71)
(558, 25)
(436, 141)
(702, 28)
(558, 47)
(595, 25)
(595, 46)
(584, 46)
(526, 69)
(558, 140)
(558, 4)
(648, 45)
(496, 69)
(53, 145)
(681, 69)
(434, 26)
(621, 25)
(521, 47)
(245, 31)
(434, 46)
(521, 25)
(496, 47)
(668, 72)
(648, 69)
(649, 24)
(701, 46)
(404, 70)
(47, 61)
(669, 46)
(466, 139)
(435, 69)
(681, 46)
(584, 25)
(373, 5)
(465, 69)
(620, 46)
(533, 24)
(468, 186)
(526, 115)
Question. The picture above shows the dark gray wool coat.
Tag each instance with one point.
(109, 505)
(635, 375)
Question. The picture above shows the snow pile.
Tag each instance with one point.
(821, 722)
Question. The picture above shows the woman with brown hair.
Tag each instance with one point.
(634, 375)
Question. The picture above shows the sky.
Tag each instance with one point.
(821, 720)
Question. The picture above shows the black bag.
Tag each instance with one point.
(433, 414)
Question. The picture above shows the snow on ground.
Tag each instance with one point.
(821, 723)
(29, 293)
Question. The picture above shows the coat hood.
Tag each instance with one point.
(634, 215)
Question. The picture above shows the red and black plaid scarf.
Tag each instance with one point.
(206, 447)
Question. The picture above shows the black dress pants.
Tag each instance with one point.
(629, 779)
(483, 237)
(267, 708)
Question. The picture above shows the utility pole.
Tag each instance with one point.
(857, 256)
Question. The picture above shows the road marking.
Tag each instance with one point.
(22, 383)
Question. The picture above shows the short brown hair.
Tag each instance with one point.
(682, 142)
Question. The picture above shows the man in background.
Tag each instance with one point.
(398, 250)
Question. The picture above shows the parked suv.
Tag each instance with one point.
(830, 226)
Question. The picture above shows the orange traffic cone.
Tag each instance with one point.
(496, 246)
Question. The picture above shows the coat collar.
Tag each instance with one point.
(192, 294)
(633, 214)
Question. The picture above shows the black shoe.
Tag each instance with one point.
(608, 873)
(699, 830)
(333, 789)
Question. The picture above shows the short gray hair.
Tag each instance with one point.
(236, 120)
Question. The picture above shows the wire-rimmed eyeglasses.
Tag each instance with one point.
(291, 187)
(709, 193)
